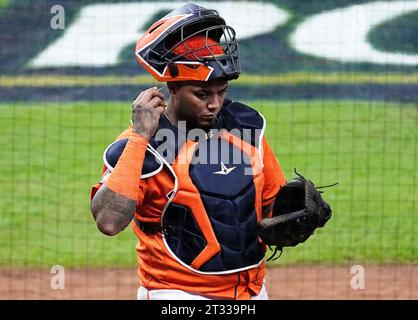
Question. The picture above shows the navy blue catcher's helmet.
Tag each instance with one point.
(190, 43)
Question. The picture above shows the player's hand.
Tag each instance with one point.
(147, 109)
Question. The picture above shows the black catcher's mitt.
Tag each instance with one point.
(298, 210)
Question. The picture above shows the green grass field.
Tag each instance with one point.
(51, 155)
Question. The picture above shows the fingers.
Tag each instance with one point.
(159, 110)
(155, 102)
(150, 106)
(150, 93)
(146, 96)
(137, 99)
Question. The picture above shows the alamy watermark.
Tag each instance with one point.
(57, 21)
(58, 279)
(358, 278)
(216, 146)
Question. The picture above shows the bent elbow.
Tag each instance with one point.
(112, 212)
(108, 229)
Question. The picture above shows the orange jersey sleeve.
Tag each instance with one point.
(117, 184)
(273, 175)
(143, 188)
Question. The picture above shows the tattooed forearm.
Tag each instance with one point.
(112, 212)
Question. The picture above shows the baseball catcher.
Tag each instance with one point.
(194, 174)
(298, 211)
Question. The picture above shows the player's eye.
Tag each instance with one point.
(201, 95)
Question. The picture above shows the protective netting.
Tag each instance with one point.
(337, 82)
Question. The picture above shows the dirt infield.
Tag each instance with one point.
(293, 282)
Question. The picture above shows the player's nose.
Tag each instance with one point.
(215, 103)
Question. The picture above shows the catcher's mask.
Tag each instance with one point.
(190, 43)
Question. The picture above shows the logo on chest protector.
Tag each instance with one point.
(224, 170)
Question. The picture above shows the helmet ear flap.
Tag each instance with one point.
(174, 70)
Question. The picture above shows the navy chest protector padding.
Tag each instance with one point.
(238, 116)
(229, 200)
(114, 151)
(182, 232)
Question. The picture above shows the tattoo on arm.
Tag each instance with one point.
(112, 209)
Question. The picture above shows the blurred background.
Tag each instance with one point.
(337, 81)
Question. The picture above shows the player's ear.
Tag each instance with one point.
(172, 87)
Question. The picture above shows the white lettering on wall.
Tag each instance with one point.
(101, 31)
(341, 34)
